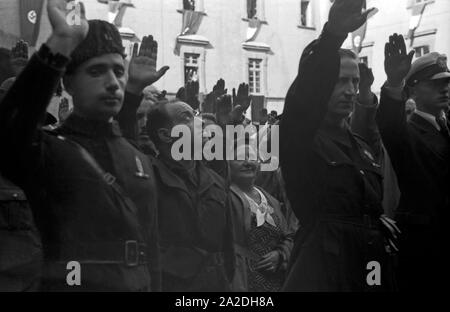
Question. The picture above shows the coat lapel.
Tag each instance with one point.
(168, 178)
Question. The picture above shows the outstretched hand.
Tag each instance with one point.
(211, 99)
(397, 63)
(20, 50)
(64, 111)
(242, 98)
(19, 57)
(219, 88)
(189, 94)
(69, 24)
(367, 78)
(347, 16)
(142, 69)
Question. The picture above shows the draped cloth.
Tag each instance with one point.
(30, 20)
(191, 22)
(416, 17)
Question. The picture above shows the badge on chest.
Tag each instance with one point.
(140, 173)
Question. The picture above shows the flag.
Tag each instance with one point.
(416, 18)
(116, 10)
(191, 22)
(254, 25)
(359, 35)
(30, 20)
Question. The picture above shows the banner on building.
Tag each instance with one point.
(116, 10)
(416, 17)
(191, 22)
(254, 25)
(30, 12)
(359, 35)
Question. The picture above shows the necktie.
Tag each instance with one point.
(442, 122)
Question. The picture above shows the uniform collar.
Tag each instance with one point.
(172, 176)
(91, 128)
(342, 137)
(429, 118)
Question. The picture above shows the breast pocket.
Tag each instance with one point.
(339, 178)
(15, 213)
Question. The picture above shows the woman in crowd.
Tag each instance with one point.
(263, 242)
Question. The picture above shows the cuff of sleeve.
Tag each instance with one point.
(394, 92)
(133, 99)
(55, 61)
(373, 105)
(329, 40)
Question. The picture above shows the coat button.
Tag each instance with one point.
(15, 195)
(362, 172)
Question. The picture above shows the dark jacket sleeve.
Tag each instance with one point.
(21, 111)
(155, 259)
(304, 111)
(392, 122)
(127, 116)
(364, 124)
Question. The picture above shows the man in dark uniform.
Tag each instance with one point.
(420, 153)
(91, 192)
(193, 206)
(332, 178)
(20, 244)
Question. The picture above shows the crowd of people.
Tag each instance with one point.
(362, 179)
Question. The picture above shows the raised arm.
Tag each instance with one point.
(141, 73)
(391, 117)
(363, 118)
(307, 98)
(25, 104)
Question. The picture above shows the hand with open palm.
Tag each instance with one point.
(142, 68)
(347, 16)
(397, 63)
(66, 36)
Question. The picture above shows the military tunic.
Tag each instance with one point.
(79, 213)
(333, 183)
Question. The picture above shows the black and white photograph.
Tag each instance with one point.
(224, 151)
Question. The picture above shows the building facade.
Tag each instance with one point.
(431, 17)
(254, 41)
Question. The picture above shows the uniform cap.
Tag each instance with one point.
(431, 66)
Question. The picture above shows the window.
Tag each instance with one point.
(422, 50)
(191, 61)
(254, 75)
(251, 8)
(254, 9)
(189, 5)
(306, 13)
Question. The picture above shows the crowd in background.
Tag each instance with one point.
(361, 180)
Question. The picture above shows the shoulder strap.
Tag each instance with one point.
(107, 177)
